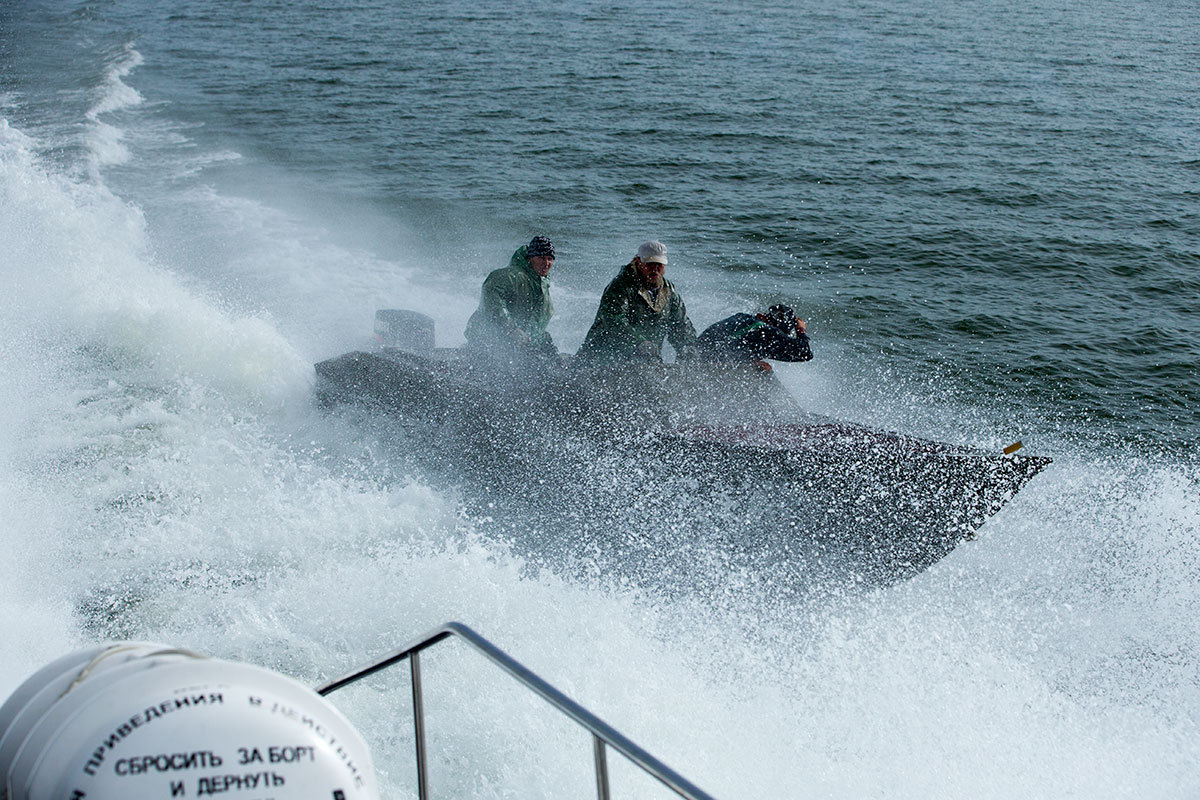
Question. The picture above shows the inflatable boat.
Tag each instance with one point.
(638, 462)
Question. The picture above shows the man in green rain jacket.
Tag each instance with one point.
(639, 309)
(514, 307)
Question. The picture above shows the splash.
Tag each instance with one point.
(106, 141)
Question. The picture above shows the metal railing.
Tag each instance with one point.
(603, 734)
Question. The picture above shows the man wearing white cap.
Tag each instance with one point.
(638, 310)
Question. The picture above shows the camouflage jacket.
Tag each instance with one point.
(630, 314)
(514, 298)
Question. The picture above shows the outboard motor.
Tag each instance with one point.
(136, 720)
(405, 330)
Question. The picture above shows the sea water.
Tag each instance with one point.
(986, 211)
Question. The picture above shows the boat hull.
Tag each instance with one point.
(661, 469)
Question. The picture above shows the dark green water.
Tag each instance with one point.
(1003, 196)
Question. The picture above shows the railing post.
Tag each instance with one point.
(601, 767)
(414, 661)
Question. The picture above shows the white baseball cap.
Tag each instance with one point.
(653, 250)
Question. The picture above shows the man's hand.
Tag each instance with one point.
(647, 350)
(800, 327)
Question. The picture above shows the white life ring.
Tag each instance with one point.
(137, 720)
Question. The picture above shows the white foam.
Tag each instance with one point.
(79, 265)
(106, 141)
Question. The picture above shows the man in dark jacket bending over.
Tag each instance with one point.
(639, 309)
(778, 335)
(514, 307)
